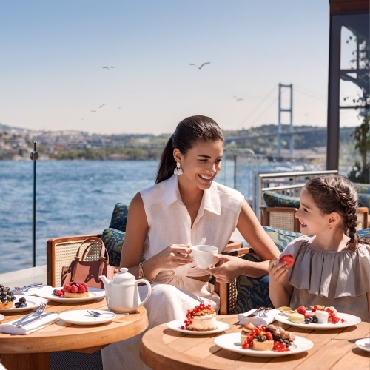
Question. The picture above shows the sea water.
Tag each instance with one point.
(76, 197)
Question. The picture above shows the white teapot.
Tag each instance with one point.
(122, 292)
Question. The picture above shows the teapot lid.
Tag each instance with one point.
(123, 276)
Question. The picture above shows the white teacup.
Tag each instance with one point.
(204, 255)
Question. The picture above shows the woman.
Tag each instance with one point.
(184, 207)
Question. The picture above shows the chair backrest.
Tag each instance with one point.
(61, 252)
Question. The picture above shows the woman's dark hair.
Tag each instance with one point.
(188, 132)
(336, 193)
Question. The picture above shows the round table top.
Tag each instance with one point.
(164, 348)
(61, 336)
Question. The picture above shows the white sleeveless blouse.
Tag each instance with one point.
(170, 223)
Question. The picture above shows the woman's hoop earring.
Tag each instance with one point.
(178, 170)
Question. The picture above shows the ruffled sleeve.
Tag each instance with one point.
(330, 274)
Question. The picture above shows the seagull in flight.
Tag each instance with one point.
(108, 68)
(201, 66)
(238, 99)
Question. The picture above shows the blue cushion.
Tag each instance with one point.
(274, 199)
(254, 293)
(119, 217)
(113, 240)
(364, 233)
(364, 200)
(281, 237)
(362, 188)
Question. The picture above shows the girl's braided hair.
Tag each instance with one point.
(336, 193)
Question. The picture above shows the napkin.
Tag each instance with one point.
(258, 317)
(46, 319)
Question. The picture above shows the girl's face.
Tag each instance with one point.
(201, 163)
(311, 219)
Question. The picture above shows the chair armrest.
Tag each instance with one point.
(227, 291)
(61, 252)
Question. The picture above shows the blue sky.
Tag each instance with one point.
(53, 53)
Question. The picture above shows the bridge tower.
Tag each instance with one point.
(290, 111)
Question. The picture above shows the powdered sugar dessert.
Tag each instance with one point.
(200, 318)
(73, 290)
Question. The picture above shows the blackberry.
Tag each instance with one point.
(314, 320)
(22, 300)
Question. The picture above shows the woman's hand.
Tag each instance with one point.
(173, 256)
(277, 270)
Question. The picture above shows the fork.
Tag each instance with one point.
(26, 288)
(33, 316)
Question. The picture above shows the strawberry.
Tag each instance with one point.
(289, 260)
(268, 335)
(301, 310)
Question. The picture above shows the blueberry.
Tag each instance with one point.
(307, 320)
(263, 338)
(22, 304)
(314, 320)
(17, 304)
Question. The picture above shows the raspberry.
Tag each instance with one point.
(58, 293)
(67, 288)
(85, 285)
(81, 289)
(74, 289)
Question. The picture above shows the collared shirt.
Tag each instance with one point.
(170, 223)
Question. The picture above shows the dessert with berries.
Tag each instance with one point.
(266, 338)
(6, 297)
(73, 290)
(200, 318)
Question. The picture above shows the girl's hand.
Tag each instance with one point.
(173, 256)
(277, 270)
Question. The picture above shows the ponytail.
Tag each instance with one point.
(167, 163)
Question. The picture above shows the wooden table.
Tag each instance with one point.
(165, 349)
(32, 351)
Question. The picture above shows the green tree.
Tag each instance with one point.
(361, 136)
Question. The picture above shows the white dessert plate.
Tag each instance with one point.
(232, 342)
(177, 324)
(47, 292)
(82, 317)
(349, 320)
(363, 344)
(1, 317)
(31, 291)
(32, 302)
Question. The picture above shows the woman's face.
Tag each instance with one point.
(201, 163)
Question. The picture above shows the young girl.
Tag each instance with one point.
(332, 268)
(185, 206)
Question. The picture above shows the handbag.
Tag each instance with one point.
(88, 268)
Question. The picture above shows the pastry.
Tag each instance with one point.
(266, 338)
(296, 317)
(201, 318)
(73, 290)
(6, 297)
